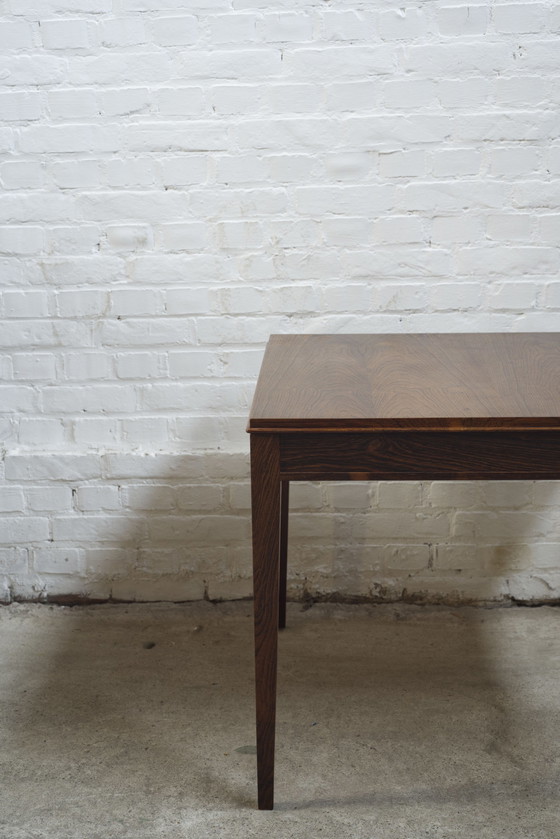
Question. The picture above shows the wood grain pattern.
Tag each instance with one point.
(385, 407)
(408, 382)
(265, 504)
(284, 521)
(423, 456)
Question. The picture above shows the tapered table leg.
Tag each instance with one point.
(265, 502)
(284, 509)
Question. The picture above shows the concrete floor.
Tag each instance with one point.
(394, 722)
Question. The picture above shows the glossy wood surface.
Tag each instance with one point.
(385, 407)
(420, 456)
(408, 382)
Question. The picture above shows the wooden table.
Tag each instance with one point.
(385, 407)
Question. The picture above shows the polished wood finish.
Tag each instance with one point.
(265, 502)
(385, 407)
(284, 510)
(420, 456)
(408, 382)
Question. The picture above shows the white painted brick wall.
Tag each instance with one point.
(178, 181)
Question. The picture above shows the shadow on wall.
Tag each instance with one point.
(121, 705)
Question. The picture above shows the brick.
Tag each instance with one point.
(122, 32)
(180, 101)
(64, 34)
(20, 106)
(399, 229)
(47, 498)
(350, 166)
(78, 239)
(347, 25)
(175, 31)
(519, 18)
(460, 494)
(234, 29)
(233, 98)
(17, 399)
(457, 94)
(95, 432)
(55, 467)
(181, 171)
(87, 365)
(288, 26)
(148, 497)
(81, 304)
(129, 237)
(41, 432)
(346, 231)
(16, 35)
(145, 301)
(119, 68)
(198, 530)
(237, 235)
(453, 162)
(351, 200)
(456, 229)
(355, 496)
(510, 227)
(142, 332)
(74, 174)
(352, 95)
(22, 240)
(290, 167)
(142, 206)
(508, 261)
(97, 498)
(463, 20)
(140, 171)
(34, 366)
(515, 161)
(198, 432)
(399, 164)
(295, 98)
(90, 528)
(57, 561)
(199, 497)
(18, 175)
(32, 70)
(11, 500)
(148, 431)
(149, 466)
(90, 398)
(197, 396)
(231, 64)
(57, 139)
(188, 301)
(549, 228)
(184, 236)
(400, 24)
(340, 61)
(25, 304)
(412, 93)
(24, 530)
(72, 103)
(519, 90)
(517, 296)
(123, 101)
(193, 363)
(139, 365)
(456, 296)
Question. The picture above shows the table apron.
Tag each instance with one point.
(424, 455)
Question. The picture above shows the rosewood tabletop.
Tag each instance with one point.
(385, 407)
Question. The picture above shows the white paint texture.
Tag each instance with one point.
(179, 180)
